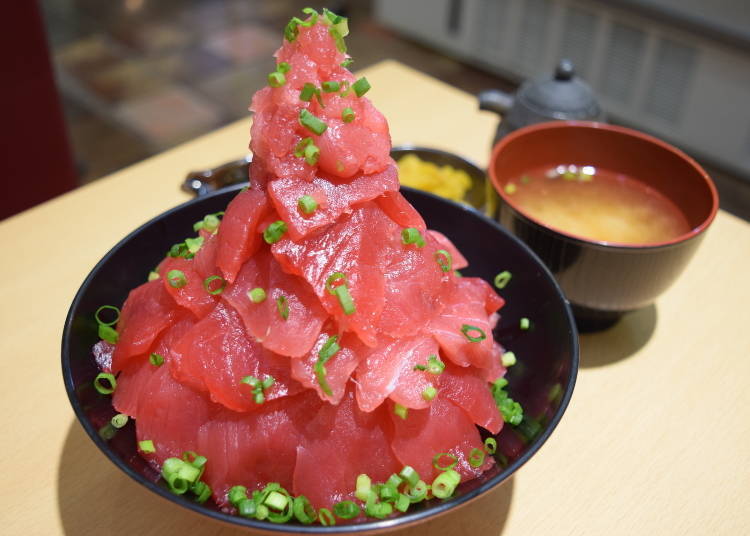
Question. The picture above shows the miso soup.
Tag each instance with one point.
(597, 204)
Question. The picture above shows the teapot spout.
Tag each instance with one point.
(495, 100)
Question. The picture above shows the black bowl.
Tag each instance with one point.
(542, 381)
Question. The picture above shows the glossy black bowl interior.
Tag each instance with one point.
(542, 381)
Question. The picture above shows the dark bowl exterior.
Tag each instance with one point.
(542, 381)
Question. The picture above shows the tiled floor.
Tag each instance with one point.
(140, 76)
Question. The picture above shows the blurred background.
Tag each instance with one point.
(136, 77)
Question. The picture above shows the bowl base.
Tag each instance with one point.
(590, 320)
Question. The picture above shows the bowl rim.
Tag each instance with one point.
(629, 132)
(407, 519)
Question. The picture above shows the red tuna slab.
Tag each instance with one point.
(398, 209)
(467, 387)
(342, 443)
(441, 428)
(191, 294)
(293, 336)
(216, 354)
(443, 242)
(204, 261)
(238, 240)
(146, 313)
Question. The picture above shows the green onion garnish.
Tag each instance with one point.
(509, 359)
(119, 420)
(176, 278)
(346, 509)
(363, 487)
(444, 260)
(361, 86)
(338, 38)
(247, 508)
(438, 458)
(259, 387)
(377, 509)
(179, 475)
(282, 306)
(257, 295)
(307, 205)
(283, 67)
(299, 149)
(524, 323)
(311, 122)
(194, 244)
(476, 457)
(202, 491)
(346, 63)
(502, 279)
(280, 506)
(445, 484)
(417, 492)
(429, 393)
(108, 333)
(274, 232)
(510, 188)
(490, 445)
(327, 351)
(102, 388)
(156, 359)
(107, 308)
(467, 329)
(276, 79)
(210, 222)
(307, 92)
(146, 446)
(329, 348)
(303, 510)
(312, 154)
(402, 503)
(411, 235)
(388, 493)
(409, 475)
(333, 278)
(153, 275)
(345, 300)
(326, 517)
(330, 86)
(347, 115)
(511, 410)
(434, 365)
(401, 411)
(394, 481)
(216, 290)
(236, 495)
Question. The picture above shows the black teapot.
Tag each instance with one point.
(565, 96)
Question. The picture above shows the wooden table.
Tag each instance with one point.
(655, 441)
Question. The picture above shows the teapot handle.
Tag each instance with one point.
(495, 100)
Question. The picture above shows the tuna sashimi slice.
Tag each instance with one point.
(388, 370)
(192, 295)
(468, 389)
(147, 311)
(253, 449)
(238, 240)
(204, 262)
(465, 317)
(443, 242)
(216, 354)
(333, 195)
(399, 210)
(342, 443)
(441, 428)
(293, 336)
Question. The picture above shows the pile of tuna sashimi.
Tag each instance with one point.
(311, 354)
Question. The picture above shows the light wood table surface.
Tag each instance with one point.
(656, 439)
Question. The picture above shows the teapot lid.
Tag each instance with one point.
(564, 96)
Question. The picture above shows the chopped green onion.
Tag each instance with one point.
(476, 457)
(363, 487)
(445, 484)
(146, 446)
(194, 244)
(511, 410)
(401, 411)
(178, 250)
(210, 222)
(108, 333)
(258, 387)
(345, 299)
(502, 279)
(176, 278)
(257, 295)
(417, 492)
(457, 273)
(444, 260)
(247, 508)
(236, 495)
(261, 511)
(466, 329)
(119, 420)
(312, 154)
(283, 67)
(282, 306)
(153, 275)
(393, 481)
(107, 431)
(378, 510)
(388, 493)
(215, 291)
(202, 491)
(402, 503)
(510, 188)
(276, 500)
(311, 122)
(339, 40)
(411, 235)
(438, 458)
(347, 115)
(346, 509)
(554, 392)
(329, 348)
(333, 278)
(429, 393)
(409, 475)
(101, 387)
(346, 63)
(330, 86)
(307, 204)
(274, 232)
(179, 475)
(435, 365)
(509, 359)
(307, 92)
(524, 323)
(107, 308)
(490, 445)
(326, 517)
(361, 86)
(303, 510)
